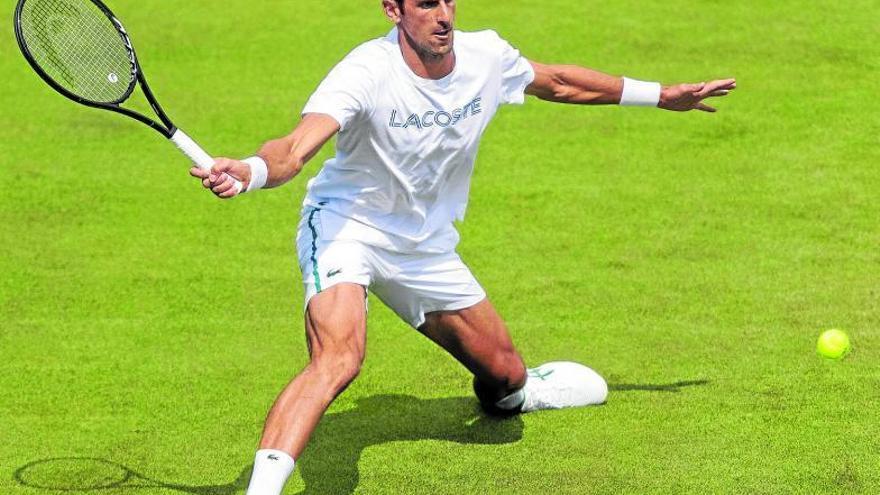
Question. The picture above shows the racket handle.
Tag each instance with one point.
(197, 155)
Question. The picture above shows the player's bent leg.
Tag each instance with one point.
(336, 334)
(478, 338)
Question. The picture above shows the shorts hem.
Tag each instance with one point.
(310, 291)
(454, 306)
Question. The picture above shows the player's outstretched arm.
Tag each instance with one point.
(579, 85)
(277, 162)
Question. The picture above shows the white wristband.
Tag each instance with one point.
(259, 173)
(640, 93)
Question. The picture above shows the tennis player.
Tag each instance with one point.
(409, 110)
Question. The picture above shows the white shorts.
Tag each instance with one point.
(412, 284)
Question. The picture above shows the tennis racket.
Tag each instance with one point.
(82, 51)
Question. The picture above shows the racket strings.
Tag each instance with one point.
(79, 47)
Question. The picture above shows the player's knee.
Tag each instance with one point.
(338, 368)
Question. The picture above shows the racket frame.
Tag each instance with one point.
(166, 130)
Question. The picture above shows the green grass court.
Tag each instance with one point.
(691, 259)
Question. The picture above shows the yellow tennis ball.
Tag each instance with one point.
(833, 344)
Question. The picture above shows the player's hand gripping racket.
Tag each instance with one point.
(81, 49)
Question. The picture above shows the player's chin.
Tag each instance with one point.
(442, 48)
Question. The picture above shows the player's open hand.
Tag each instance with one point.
(220, 178)
(685, 97)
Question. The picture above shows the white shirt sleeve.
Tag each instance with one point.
(516, 74)
(347, 92)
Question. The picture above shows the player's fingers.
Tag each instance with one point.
(720, 92)
(723, 84)
(206, 183)
(231, 192)
(217, 170)
(726, 83)
(223, 186)
(221, 165)
(706, 108)
(217, 179)
(199, 173)
(694, 88)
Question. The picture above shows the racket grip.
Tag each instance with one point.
(197, 155)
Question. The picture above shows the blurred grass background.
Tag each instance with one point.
(144, 322)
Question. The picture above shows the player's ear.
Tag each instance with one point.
(392, 10)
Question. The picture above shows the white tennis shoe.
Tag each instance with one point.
(563, 384)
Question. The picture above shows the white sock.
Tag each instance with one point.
(271, 470)
(512, 401)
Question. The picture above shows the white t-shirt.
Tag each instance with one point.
(407, 145)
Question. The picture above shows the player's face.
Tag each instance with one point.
(429, 26)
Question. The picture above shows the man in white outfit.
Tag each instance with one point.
(409, 109)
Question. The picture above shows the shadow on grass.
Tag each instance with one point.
(330, 462)
(92, 475)
(674, 387)
(331, 459)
